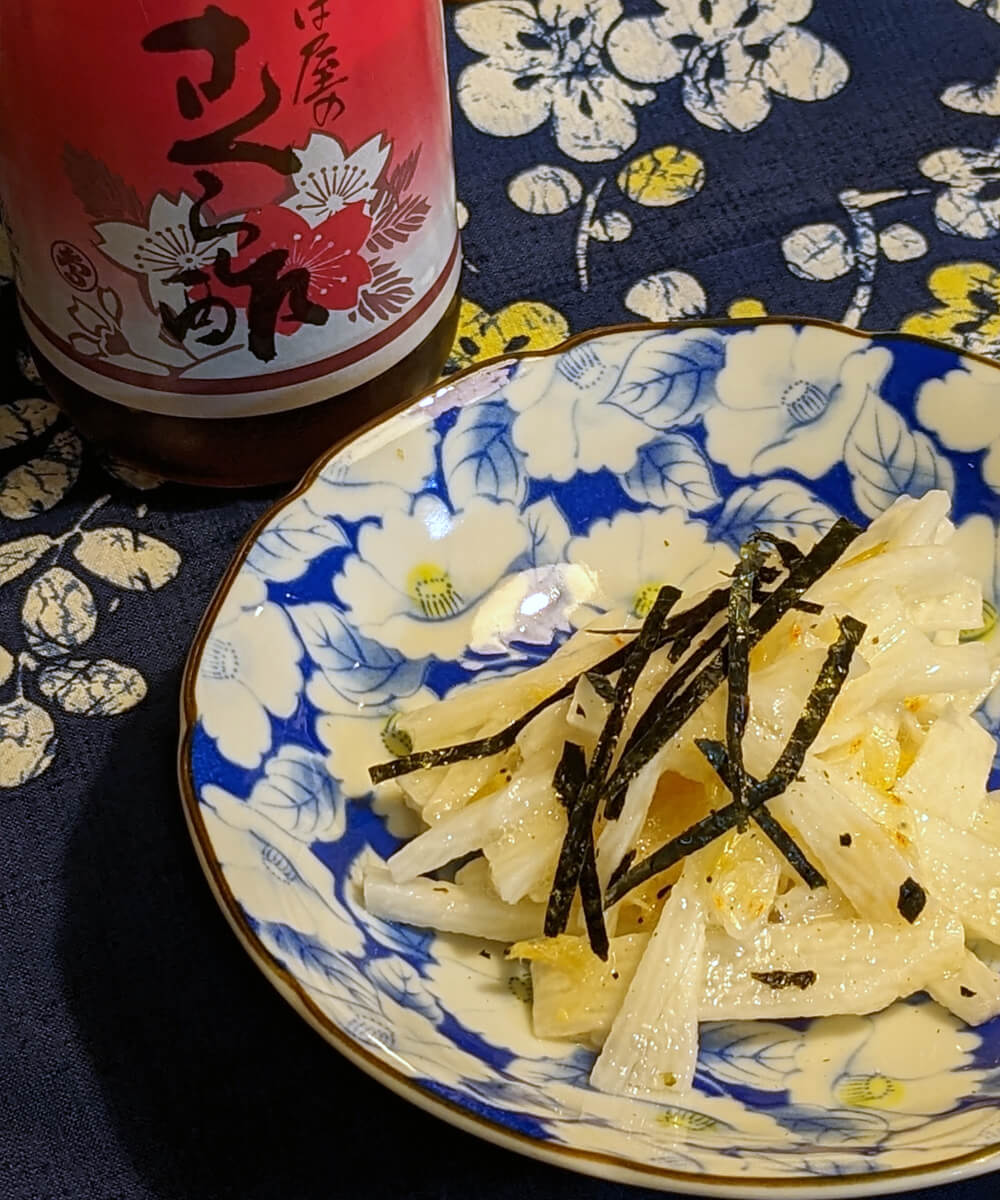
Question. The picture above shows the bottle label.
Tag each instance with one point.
(226, 209)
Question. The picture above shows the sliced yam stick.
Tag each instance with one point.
(652, 1048)
(450, 908)
(963, 872)
(972, 992)
(949, 775)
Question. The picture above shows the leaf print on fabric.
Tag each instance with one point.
(99, 688)
(663, 177)
(902, 243)
(24, 419)
(479, 458)
(612, 226)
(545, 190)
(732, 55)
(289, 543)
(667, 296)
(58, 613)
(40, 483)
(983, 98)
(886, 459)
(126, 558)
(969, 206)
(672, 471)
(818, 252)
(523, 325)
(6, 664)
(545, 61)
(968, 315)
(27, 742)
(779, 506)
(21, 555)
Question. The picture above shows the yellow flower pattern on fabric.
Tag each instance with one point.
(969, 313)
(524, 325)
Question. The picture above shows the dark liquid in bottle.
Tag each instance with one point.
(246, 451)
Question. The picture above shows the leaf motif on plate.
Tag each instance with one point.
(24, 419)
(669, 378)
(394, 977)
(21, 555)
(479, 457)
(58, 613)
(327, 967)
(780, 506)
(357, 668)
(672, 470)
(549, 531)
(27, 742)
(299, 794)
(92, 688)
(289, 543)
(886, 459)
(758, 1054)
(126, 558)
(40, 483)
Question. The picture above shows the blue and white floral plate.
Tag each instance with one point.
(465, 536)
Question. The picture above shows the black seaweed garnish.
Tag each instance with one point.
(912, 899)
(846, 839)
(968, 993)
(669, 711)
(785, 979)
(576, 864)
(570, 773)
(829, 681)
(602, 685)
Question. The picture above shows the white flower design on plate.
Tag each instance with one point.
(963, 409)
(381, 477)
(418, 581)
(330, 179)
(162, 248)
(732, 55)
(237, 685)
(970, 204)
(868, 1064)
(546, 61)
(277, 879)
(632, 555)
(788, 398)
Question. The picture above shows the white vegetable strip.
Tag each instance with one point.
(972, 993)
(652, 1048)
(859, 967)
(452, 837)
(869, 868)
(452, 909)
(524, 847)
(963, 871)
(617, 836)
(581, 1002)
(948, 777)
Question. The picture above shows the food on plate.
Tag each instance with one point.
(764, 800)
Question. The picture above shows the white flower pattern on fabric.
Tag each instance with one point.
(962, 410)
(788, 399)
(237, 686)
(633, 555)
(970, 204)
(545, 61)
(329, 179)
(419, 580)
(732, 55)
(162, 248)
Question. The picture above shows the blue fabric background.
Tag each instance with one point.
(141, 1054)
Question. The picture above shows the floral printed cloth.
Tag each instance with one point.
(618, 160)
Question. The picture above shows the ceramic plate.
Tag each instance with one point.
(465, 536)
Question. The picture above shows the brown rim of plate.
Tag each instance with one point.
(587, 1162)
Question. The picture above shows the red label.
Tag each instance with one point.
(227, 208)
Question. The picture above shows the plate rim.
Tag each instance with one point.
(592, 1163)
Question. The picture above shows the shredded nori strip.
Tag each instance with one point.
(590, 899)
(580, 829)
(829, 681)
(570, 774)
(782, 840)
(912, 899)
(602, 685)
(738, 664)
(846, 839)
(622, 867)
(784, 979)
(668, 711)
(968, 993)
(808, 606)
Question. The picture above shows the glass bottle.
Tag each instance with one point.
(232, 225)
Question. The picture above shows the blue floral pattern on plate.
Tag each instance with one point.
(468, 536)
